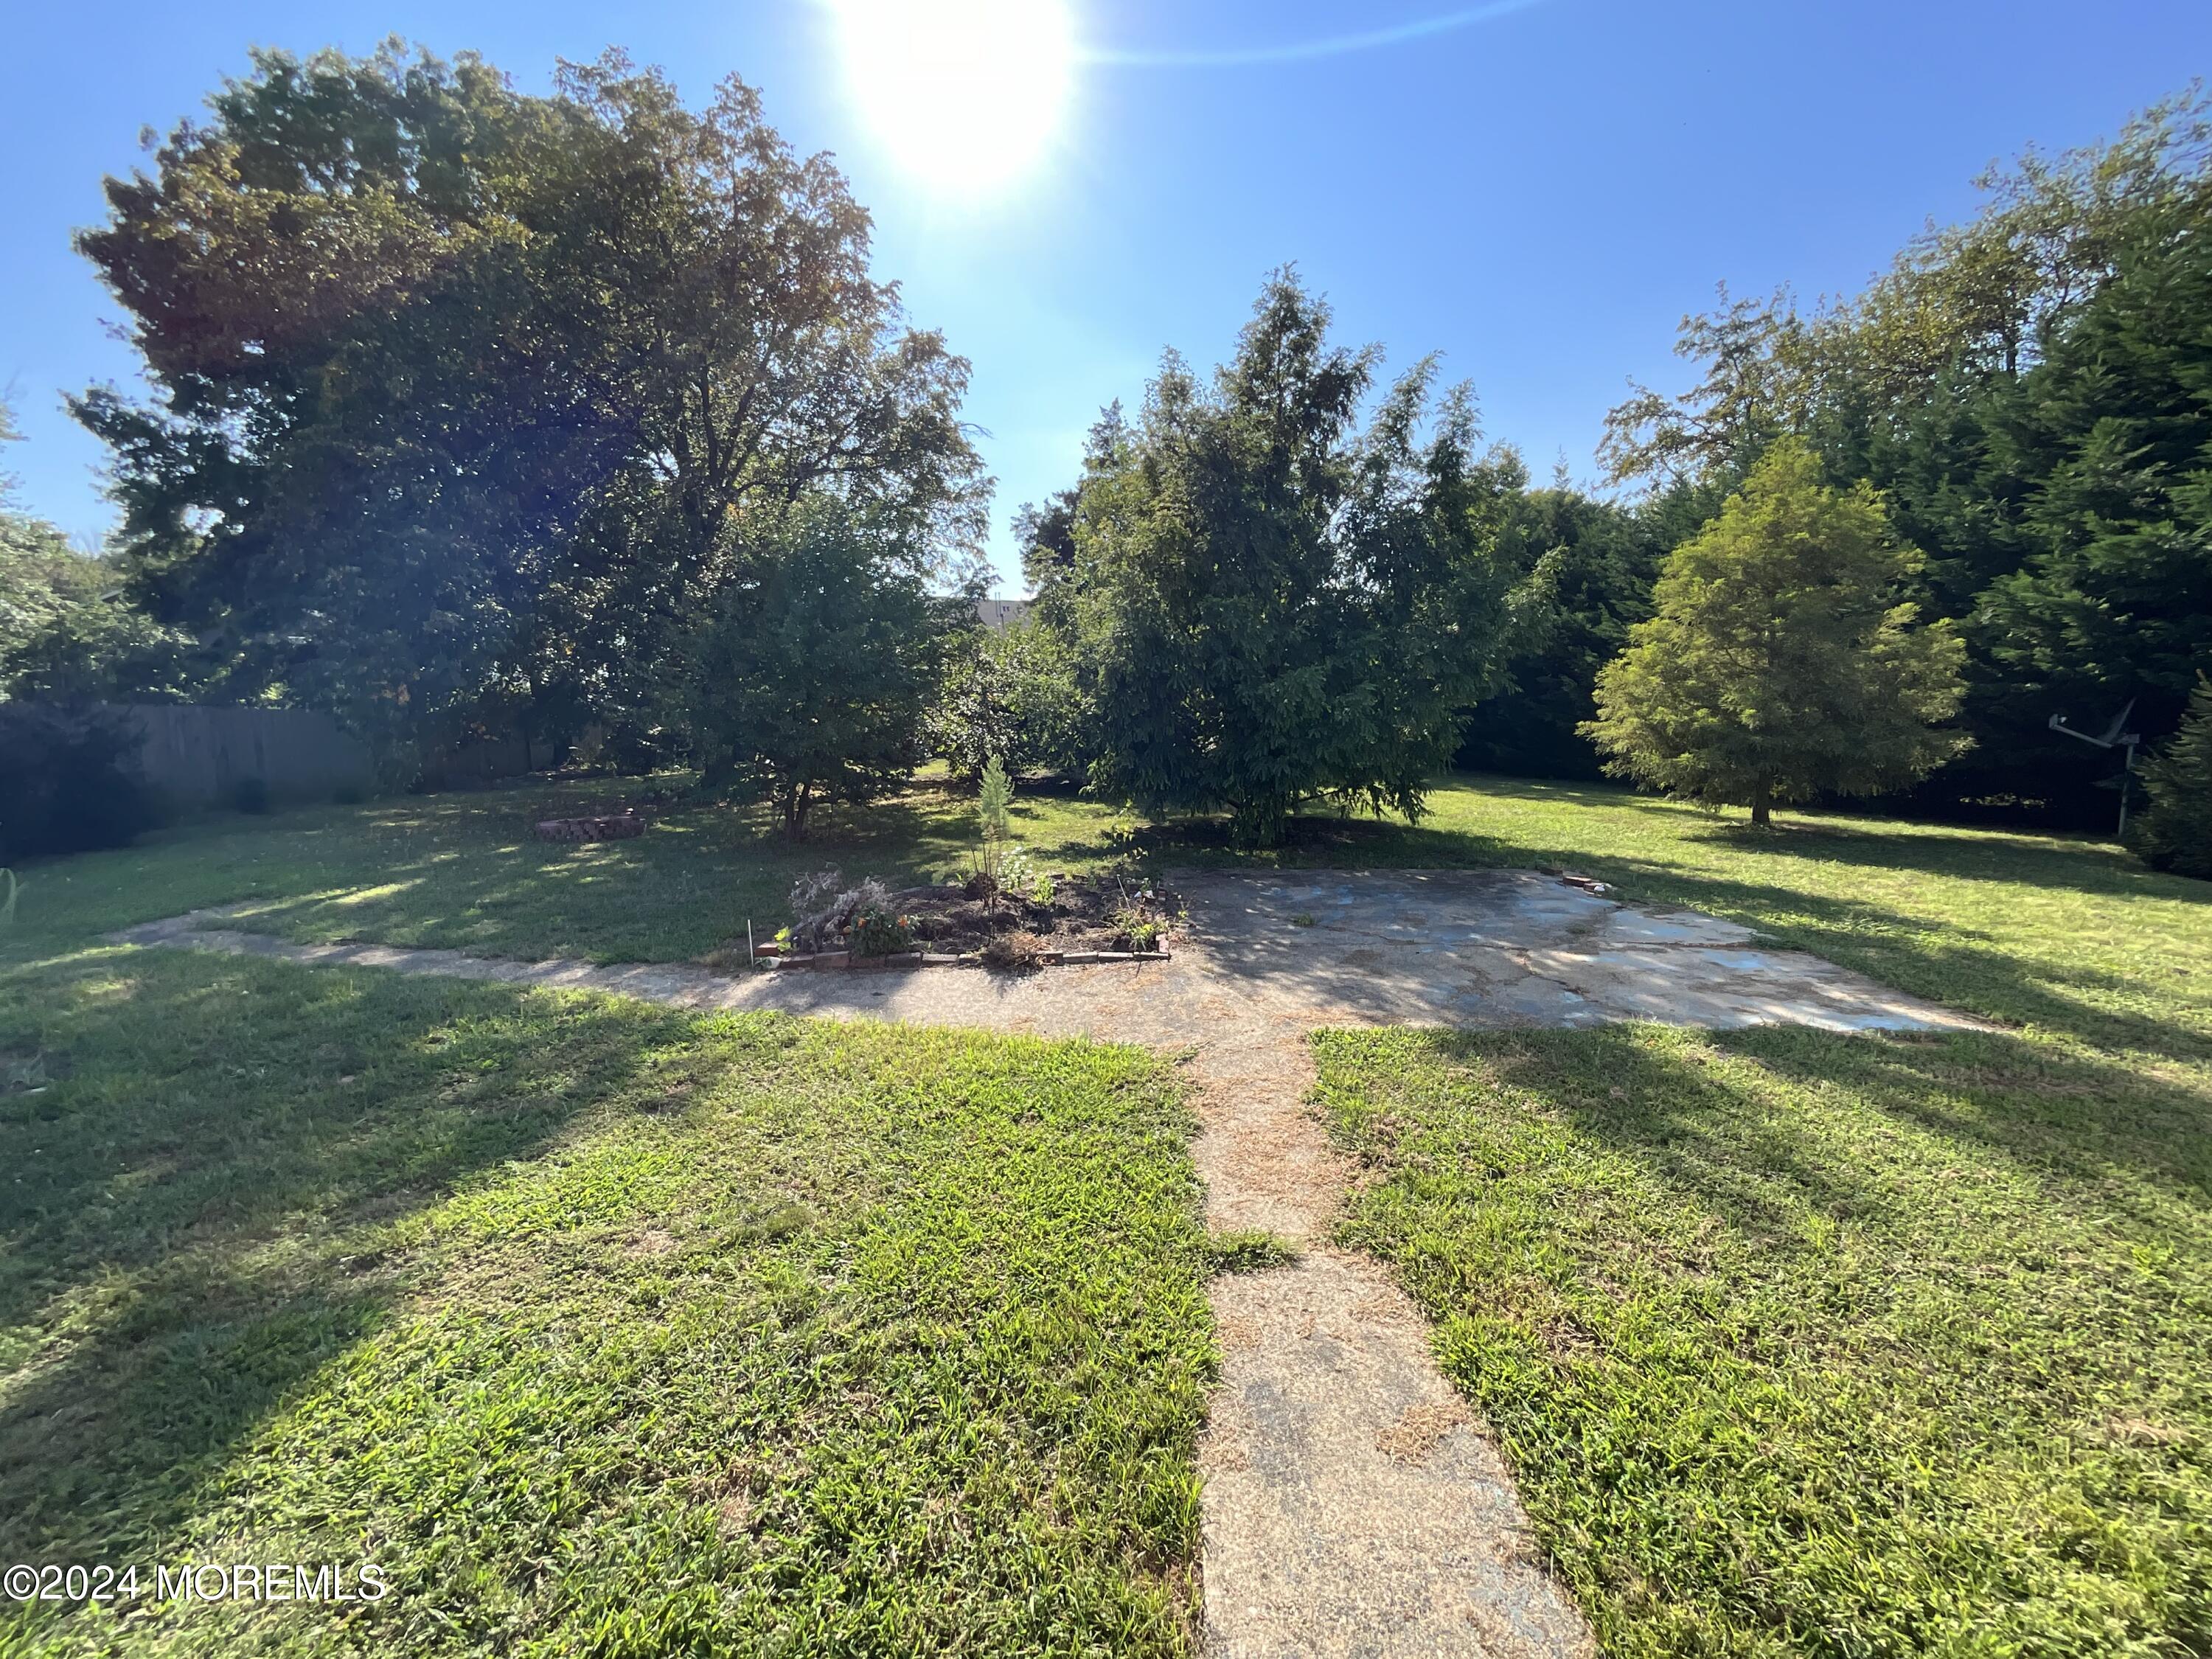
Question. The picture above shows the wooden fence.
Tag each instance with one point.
(197, 756)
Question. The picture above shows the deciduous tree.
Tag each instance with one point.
(461, 391)
(809, 680)
(1012, 693)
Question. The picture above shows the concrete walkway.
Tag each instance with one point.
(1352, 1507)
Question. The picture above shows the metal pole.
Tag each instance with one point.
(2126, 782)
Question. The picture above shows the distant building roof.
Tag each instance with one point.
(1002, 613)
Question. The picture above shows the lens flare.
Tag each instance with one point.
(966, 95)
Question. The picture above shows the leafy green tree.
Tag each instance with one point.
(459, 393)
(1781, 662)
(2026, 390)
(64, 633)
(1604, 558)
(1009, 693)
(41, 577)
(810, 680)
(2111, 437)
(1271, 606)
(1046, 535)
(1961, 307)
(2175, 832)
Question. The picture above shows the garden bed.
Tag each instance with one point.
(607, 826)
(1061, 920)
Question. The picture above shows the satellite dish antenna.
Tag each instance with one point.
(2115, 736)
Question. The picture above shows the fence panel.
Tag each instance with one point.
(198, 755)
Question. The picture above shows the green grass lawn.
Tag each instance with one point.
(1798, 1343)
(600, 1329)
(463, 872)
(1846, 1345)
(2069, 936)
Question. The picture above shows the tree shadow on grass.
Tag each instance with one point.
(198, 1230)
(1988, 855)
(1685, 1126)
(2035, 858)
(2064, 1116)
(1958, 966)
(2093, 1136)
(686, 886)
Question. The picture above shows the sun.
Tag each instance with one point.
(966, 95)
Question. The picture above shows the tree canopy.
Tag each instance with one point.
(2028, 391)
(1782, 662)
(1272, 602)
(1010, 695)
(808, 679)
(459, 393)
(64, 632)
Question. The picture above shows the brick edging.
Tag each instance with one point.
(845, 959)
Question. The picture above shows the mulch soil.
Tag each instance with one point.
(1086, 914)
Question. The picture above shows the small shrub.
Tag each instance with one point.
(1302, 921)
(250, 795)
(824, 910)
(1043, 891)
(875, 932)
(992, 801)
(811, 892)
(988, 874)
(1137, 930)
(67, 782)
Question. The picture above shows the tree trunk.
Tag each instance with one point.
(794, 812)
(1762, 818)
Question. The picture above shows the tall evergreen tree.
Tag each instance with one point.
(1273, 605)
(1603, 558)
(2026, 389)
(2113, 595)
(2175, 832)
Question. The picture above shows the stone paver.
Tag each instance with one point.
(1352, 1505)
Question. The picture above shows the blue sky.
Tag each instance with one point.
(1539, 194)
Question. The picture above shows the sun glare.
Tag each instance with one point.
(967, 95)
